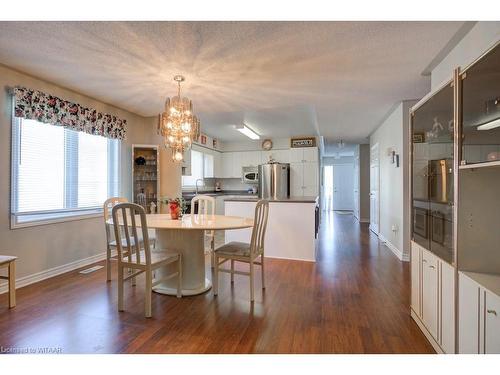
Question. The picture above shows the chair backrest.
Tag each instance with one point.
(206, 204)
(126, 215)
(107, 206)
(259, 226)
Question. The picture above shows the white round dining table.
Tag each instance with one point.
(186, 236)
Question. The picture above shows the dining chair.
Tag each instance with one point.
(244, 252)
(9, 262)
(145, 261)
(110, 237)
(206, 206)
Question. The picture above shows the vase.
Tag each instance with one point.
(174, 211)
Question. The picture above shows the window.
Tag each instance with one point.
(59, 173)
(197, 166)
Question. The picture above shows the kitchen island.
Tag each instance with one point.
(291, 228)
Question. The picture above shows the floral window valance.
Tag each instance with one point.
(37, 105)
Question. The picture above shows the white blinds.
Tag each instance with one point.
(55, 169)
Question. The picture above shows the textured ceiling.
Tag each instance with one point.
(336, 79)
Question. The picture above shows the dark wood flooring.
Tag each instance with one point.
(355, 299)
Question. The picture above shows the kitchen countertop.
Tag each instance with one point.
(311, 199)
(190, 195)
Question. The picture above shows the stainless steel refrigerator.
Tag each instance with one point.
(274, 181)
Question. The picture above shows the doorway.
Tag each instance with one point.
(339, 187)
(374, 189)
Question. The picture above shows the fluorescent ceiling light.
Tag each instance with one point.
(243, 129)
(490, 125)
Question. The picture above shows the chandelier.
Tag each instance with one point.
(177, 124)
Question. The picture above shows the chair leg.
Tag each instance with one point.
(262, 271)
(12, 284)
(251, 281)
(120, 287)
(108, 263)
(215, 281)
(212, 251)
(179, 277)
(148, 292)
(232, 271)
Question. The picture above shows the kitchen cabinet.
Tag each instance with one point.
(479, 312)
(186, 163)
(227, 165)
(217, 164)
(303, 155)
(237, 164)
(219, 205)
(250, 158)
(208, 165)
(304, 179)
(433, 297)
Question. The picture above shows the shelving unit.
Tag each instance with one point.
(467, 288)
(146, 175)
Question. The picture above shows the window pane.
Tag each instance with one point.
(40, 167)
(92, 170)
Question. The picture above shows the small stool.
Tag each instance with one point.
(7, 261)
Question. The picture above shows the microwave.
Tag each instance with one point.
(250, 175)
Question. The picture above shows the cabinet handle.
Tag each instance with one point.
(424, 261)
(432, 267)
(492, 312)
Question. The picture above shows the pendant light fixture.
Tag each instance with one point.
(177, 124)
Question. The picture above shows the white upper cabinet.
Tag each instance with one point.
(310, 181)
(237, 164)
(227, 164)
(304, 155)
(250, 158)
(208, 165)
(296, 179)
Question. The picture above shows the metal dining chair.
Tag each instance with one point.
(110, 237)
(206, 206)
(244, 252)
(131, 257)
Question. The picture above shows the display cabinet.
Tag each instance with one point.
(432, 173)
(146, 176)
(480, 107)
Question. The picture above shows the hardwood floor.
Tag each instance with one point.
(354, 299)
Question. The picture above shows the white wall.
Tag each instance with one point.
(45, 247)
(364, 183)
(393, 192)
(477, 41)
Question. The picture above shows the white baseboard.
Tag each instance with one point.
(402, 257)
(39, 276)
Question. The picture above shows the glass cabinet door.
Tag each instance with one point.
(481, 110)
(432, 174)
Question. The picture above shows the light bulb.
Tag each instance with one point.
(186, 127)
(178, 156)
(185, 139)
(169, 125)
(171, 138)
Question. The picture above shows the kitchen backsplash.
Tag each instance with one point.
(225, 183)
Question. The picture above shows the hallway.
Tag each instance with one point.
(355, 299)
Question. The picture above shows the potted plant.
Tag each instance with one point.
(177, 207)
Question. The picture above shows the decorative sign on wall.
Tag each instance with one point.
(303, 142)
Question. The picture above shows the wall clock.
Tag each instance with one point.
(267, 144)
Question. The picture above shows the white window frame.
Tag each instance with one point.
(36, 218)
